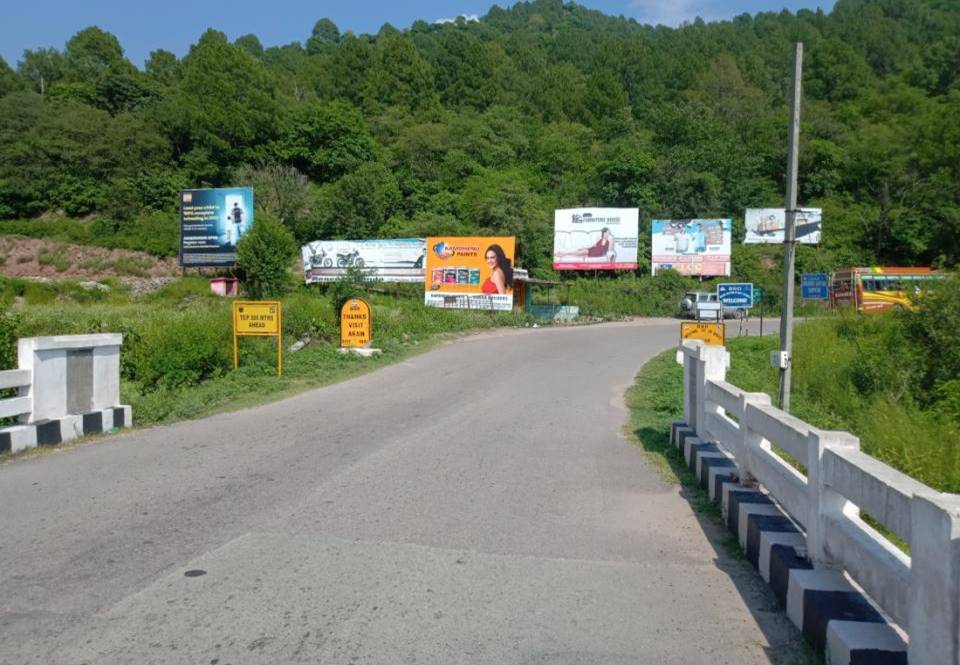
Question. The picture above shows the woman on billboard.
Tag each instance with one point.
(599, 249)
(501, 272)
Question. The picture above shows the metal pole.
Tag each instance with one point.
(790, 233)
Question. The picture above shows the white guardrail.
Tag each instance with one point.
(21, 379)
(920, 592)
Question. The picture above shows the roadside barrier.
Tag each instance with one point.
(67, 386)
(797, 498)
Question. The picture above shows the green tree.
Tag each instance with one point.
(325, 35)
(264, 256)
(399, 76)
(328, 140)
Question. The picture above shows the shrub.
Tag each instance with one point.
(264, 255)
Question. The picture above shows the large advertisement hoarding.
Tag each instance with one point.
(595, 239)
(384, 260)
(470, 273)
(212, 221)
(766, 226)
(692, 246)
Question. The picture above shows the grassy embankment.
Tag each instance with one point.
(854, 373)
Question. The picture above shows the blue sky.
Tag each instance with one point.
(175, 24)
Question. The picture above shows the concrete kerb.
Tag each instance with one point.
(836, 618)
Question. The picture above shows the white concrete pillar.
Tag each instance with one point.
(749, 440)
(935, 580)
(824, 501)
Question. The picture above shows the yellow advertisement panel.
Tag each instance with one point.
(470, 272)
(710, 333)
(355, 324)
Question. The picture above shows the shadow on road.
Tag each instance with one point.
(729, 558)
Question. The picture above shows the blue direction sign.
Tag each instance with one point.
(815, 286)
(735, 295)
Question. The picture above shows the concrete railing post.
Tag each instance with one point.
(749, 441)
(824, 502)
(712, 365)
(689, 386)
(935, 579)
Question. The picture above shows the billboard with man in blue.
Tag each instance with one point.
(212, 222)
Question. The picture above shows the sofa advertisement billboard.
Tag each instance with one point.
(470, 272)
(399, 260)
(595, 239)
(766, 226)
(699, 247)
(212, 221)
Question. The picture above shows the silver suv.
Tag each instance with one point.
(706, 307)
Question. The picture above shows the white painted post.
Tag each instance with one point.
(749, 440)
(935, 579)
(712, 365)
(690, 356)
(824, 502)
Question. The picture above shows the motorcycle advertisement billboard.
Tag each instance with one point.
(692, 246)
(766, 226)
(595, 239)
(470, 273)
(212, 221)
(399, 260)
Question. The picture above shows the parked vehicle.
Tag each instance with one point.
(706, 307)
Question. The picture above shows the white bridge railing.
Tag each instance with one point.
(825, 489)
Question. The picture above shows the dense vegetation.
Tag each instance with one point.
(487, 126)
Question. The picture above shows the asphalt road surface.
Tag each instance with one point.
(479, 503)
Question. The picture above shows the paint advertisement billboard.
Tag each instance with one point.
(692, 246)
(212, 221)
(595, 239)
(399, 260)
(766, 226)
(470, 273)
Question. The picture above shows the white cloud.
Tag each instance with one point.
(469, 18)
(671, 12)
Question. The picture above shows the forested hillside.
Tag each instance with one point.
(487, 126)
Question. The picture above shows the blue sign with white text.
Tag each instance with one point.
(815, 286)
(735, 295)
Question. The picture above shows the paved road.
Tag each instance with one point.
(476, 504)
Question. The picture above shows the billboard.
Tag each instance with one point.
(691, 246)
(212, 221)
(470, 273)
(766, 226)
(595, 239)
(385, 260)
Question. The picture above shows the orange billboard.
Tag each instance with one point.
(470, 273)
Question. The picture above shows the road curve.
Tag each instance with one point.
(475, 504)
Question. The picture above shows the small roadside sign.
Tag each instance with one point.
(815, 286)
(713, 334)
(258, 318)
(356, 324)
(757, 295)
(735, 295)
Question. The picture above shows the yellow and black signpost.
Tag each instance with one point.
(356, 324)
(710, 333)
(260, 318)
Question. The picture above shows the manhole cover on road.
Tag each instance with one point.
(195, 573)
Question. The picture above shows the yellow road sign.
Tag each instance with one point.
(356, 324)
(258, 318)
(710, 333)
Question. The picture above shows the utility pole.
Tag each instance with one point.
(790, 233)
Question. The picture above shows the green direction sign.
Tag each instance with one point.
(757, 295)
